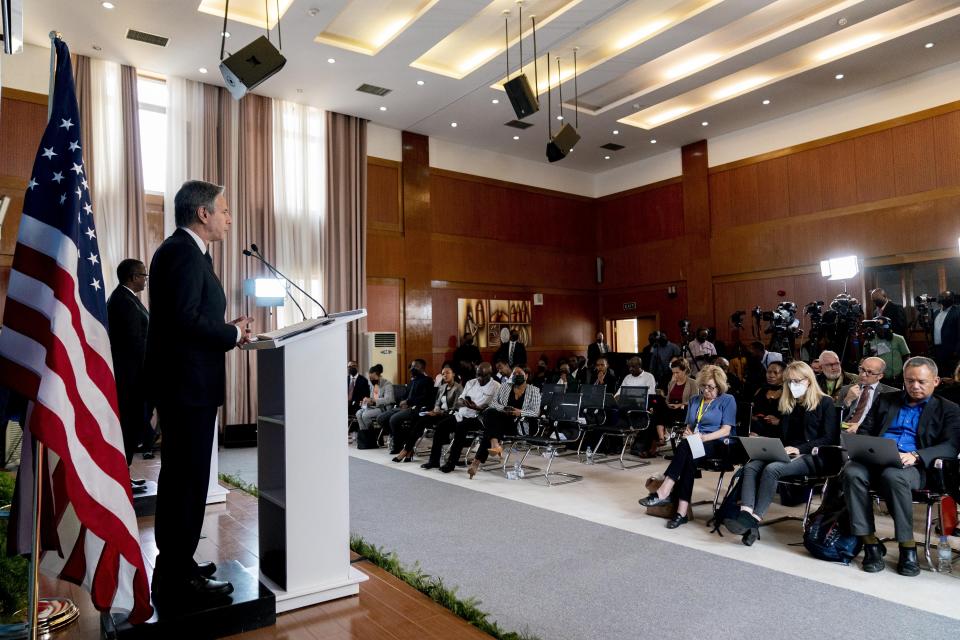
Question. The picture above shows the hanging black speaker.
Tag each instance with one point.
(522, 97)
(247, 68)
(562, 143)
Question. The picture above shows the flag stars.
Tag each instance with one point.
(74, 145)
(90, 234)
(76, 168)
(93, 259)
(85, 184)
(88, 209)
(49, 152)
(63, 198)
(95, 284)
(32, 184)
(57, 177)
(66, 124)
(79, 193)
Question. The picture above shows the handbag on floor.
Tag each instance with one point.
(667, 510)
(367, 439)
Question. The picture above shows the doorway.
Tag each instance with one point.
(630, 333)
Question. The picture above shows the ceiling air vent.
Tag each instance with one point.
(149, 38)
(375, 90)
(612, 146)
(517, 124)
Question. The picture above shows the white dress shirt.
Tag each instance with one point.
(645, 379)
(938, 327)
(482, 396)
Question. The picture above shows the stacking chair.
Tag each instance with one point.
(562, 429)
(633, 403)
(832, 459)
(546, 395)
(524, 426)
(593, 409)
(727, 456)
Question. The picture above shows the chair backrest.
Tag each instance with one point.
(564, 416)
(634, 398)
(547, 393)
(553, 387)
(594, 396)
(400, 392)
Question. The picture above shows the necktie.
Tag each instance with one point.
(510, 357)
(603, 348)
(353, 381)
(861, 406)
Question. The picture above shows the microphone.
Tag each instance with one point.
(259, 256)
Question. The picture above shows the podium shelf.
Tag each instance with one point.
(274, 419)
(277, 497)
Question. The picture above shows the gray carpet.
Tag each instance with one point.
(563, 578)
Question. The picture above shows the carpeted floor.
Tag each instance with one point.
(564, 578)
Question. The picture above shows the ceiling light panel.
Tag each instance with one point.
(480, 39)
(624, 29)
(367, 26)
(769, 23)
(887, 26)
(252, 12)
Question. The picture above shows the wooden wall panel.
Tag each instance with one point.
(746, 210)
(946, 151)
(804, 186)
(875, 175)
(383, 194)
(645, 216)
(21, 127)
(773, 192)
(838, 174)
(912, 145)
(648, 300)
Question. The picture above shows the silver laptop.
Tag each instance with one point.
(765, 449)
(871, 450)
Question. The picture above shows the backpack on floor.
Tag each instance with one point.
(730, 505)
(827, 534)
(367, 439)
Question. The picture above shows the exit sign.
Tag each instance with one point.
(629, 306)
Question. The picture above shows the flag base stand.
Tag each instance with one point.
(145, 501)
(54, 614)
(250, 606)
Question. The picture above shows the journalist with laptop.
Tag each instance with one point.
(924, 427)
(809, 420)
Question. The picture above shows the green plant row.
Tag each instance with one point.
(14, 571)
(237, 482)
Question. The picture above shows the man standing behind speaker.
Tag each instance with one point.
(186, 344)
(128, 320)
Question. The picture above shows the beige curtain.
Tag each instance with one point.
(81, 73)
(136, 241)
(345, 230)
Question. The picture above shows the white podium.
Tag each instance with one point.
(302, 462)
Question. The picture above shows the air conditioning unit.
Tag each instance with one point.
(382, 349)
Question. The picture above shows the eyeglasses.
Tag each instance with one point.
(709, 387)
(871, 373)
(141, 275)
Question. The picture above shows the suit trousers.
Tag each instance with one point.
(894, 485)
(134, 422)
(411, 431)
(441, 436)
(188, 434)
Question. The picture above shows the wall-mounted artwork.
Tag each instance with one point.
(488, 321)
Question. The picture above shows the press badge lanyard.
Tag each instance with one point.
(700, 411)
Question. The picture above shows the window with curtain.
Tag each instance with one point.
(153, 132)
(299, 193)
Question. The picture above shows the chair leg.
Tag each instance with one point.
(716, 497)
(926, 539)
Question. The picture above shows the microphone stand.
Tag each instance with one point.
(295, 285)
(250, 254)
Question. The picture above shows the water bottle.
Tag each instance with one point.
(514, 474)
(518, 469)
(589, 455)
(944, 555)
(390, 442)
(549, 452)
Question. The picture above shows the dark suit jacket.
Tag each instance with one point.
(950, 332)
(188, 336)
(845, 380)
(938, 432)
(128, 321)
(361, 390)
(898, 317)
(593, 352)
(610, 381)
(422, 393)
(821, 426)
(519, 354)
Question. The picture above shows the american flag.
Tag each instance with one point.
(54, 350)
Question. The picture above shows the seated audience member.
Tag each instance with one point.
(542, 374)
(637, 377)
(420, 396)
(476, 397)
(447, 396)
(833, 378)
(889, 347)
(702, 351)
(759, 351)
(710, 417)
(566, 378)
(466, 357)
(816, 368)
(734, 382)
(358, 388)
(679, 391)
(809, 420)
(503, 371)
(515, 399)
(603, 376)
(580, 370)
(438, 380)
(662, 353)
(380, 398)
(765, 415)
(513, 352)
(925, 428)
(856, 399)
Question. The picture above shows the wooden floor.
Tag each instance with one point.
(386, 609)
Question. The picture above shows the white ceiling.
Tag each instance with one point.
(753, 37)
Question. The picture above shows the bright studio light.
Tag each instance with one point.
(269, 288)
(840, 268)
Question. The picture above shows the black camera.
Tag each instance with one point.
(685, 329)
(736, 319)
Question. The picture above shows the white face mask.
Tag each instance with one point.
(798, 389)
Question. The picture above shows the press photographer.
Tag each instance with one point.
(880, 341)
(884, 306)
(946, 330)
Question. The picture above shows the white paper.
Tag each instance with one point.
(696, 445)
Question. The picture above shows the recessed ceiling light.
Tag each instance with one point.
(559, 117)
(419, 83)
(495, 101)
(202, 69)
(225, 34)
(606, 157)
(766, 102)
(929, 45)
(653, 142)
(106, 5)
(839, 76)
(453, 124)
(704, 123)
(383, 108)
(616, 132)
(516, 137)
(331, 60)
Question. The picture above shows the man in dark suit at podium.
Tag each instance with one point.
(186, 343)
(128, 320)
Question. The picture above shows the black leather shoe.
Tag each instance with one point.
(873, 557)
(653, 500)
(202, 587)
(750, 536)
(448, 468)
(148, 455)
(430, 465)
(206, 569)
(138, 482)
(676, 521)
(908, 565)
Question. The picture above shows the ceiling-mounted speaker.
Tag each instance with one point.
(522, 97)
(562, 143)
(249, 67)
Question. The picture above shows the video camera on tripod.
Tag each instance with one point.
(924, 307)
(783, 327)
